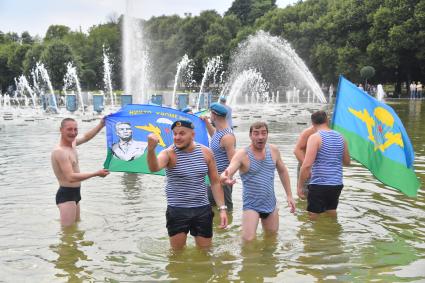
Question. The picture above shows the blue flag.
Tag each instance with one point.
(376, 137)
(127, 131)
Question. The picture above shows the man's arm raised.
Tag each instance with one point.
(210, 128)
(156, 163)
(235, 164)
(92, 133)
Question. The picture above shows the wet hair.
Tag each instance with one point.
(319, 117)
(257, 125)
(66, 120)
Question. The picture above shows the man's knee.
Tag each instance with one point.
(248, 236)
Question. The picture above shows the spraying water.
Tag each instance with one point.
(277, 62)
(248, 87)
(213, 67)
(135, 57)
(181, 66)
(22, 87)
(107, 76)
(42, 81)
(380, 93)
(71, 81)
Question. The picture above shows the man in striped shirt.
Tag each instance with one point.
(257, 164)
(223, 145)
(186, 164)
(325, 155)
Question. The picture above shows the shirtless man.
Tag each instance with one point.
(299, 152)
(66, 168)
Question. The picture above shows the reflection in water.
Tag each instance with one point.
(191, 265)
(259, 263)
(69, 255)
(131, 185)
(324, 255)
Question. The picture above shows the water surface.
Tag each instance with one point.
(379, 234)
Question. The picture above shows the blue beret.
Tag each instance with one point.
(218, 109)
(223, 98)
(187, 109)
(183, 123)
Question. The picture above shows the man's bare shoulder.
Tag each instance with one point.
(206, 151)
(274, 150)
(308, 132)
(241, 153)
(315, 138)
(60, 152)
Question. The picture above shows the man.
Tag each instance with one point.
(257, 164)
(299, 152)
(223, 145)
(223, 100)
(326, 152)
(127, 148)
(67, 170)
(186, 164)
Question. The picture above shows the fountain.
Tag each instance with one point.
(249, 86)
(277, 62)
(183, 65)
(213, 66)
(42, 83)
(380, 93)
(134, 57)
(71, 81)
(107, 77)
(22, 87)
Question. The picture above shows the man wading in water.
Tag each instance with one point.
(186, 164)
(67, 170)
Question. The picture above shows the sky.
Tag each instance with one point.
(35, 16)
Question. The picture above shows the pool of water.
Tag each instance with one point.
(379, 234)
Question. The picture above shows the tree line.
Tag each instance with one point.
(332, 36)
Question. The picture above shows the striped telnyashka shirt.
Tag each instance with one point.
(327, 168)
(220, 154)
(185, 185)
(258, 183)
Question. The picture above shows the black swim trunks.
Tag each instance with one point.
(322, 198)
(264, 215)
(65, 194)
(197, 220)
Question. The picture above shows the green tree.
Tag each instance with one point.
(108, 36)
(56, 32)
(6, 74)
(26, 38)
(16, 59)
(32, 56)
(88, 79)
(367, 72)
(248, 11)
(55, 57)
